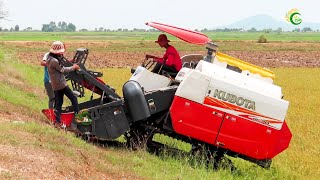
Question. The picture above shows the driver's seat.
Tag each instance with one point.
(191, 60)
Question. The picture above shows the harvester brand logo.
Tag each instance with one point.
(231, 98)
(294, 17)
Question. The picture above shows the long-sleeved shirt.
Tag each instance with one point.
(171, 58)
(46, 77)
(56, 72)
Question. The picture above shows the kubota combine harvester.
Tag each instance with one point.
(218, 102)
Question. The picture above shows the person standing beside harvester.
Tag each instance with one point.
(58, 81)
(47, 83)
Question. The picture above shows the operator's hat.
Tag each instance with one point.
(162, 37)
(57, 47)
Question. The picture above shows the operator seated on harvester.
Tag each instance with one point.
(170, 62)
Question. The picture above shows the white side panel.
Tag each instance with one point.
(194, 86)
(241, 80)
(266, 106)
(258, 100)
(148, 80)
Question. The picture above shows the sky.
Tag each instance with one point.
(114, 14)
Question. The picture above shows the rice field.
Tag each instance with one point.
(21, 92)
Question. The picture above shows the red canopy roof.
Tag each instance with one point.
(189, 36)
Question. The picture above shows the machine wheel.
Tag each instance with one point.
(138, 139)
(212, 157)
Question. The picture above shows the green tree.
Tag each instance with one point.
(306, 29)
(267, 30)
(252, 30)
(262, 39)
(100, 29)
(279, 30)
(16, 28)
(51, 27)
(296, 30)
(71, 28)
(62, 26)
(45, 28)
(204, 30)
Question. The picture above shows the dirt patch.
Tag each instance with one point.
(26, 155)
(100, 56)
(279, 58)
(10, 80)
(33, 163)
(132, 59)
(13, 113)
(10, 113)
(29, 162)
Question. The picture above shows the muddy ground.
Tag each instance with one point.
(116, 54)
(132, 59)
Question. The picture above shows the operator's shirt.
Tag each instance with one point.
(171, 58)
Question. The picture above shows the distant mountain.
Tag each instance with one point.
(263, 21)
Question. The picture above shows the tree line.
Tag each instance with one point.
(70, 27)
(58, 27)
(278, 30)
(51, 27)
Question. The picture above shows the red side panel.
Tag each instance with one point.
(236, 134)
(189, 36)
(195, 120)
(253, 139)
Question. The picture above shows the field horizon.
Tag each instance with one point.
(136, 35)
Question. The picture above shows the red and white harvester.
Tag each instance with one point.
(215, 102)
